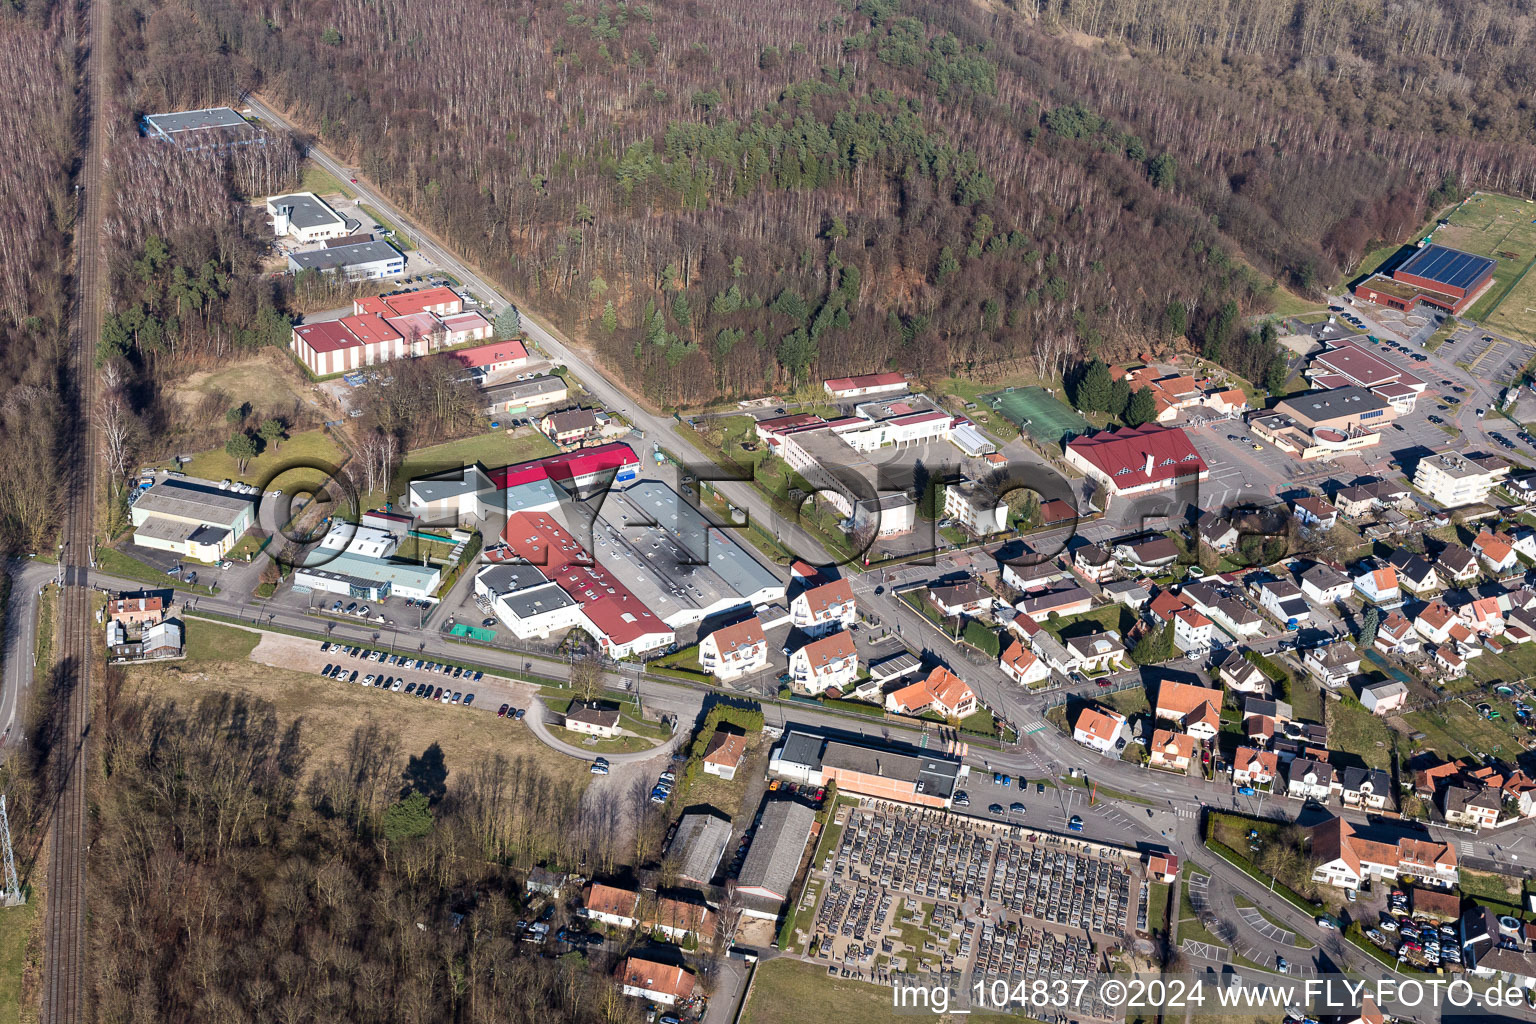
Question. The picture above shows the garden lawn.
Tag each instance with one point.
(1352, 728)
(1116, 617)
(1455, 729)
(268, 470)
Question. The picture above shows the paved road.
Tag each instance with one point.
(27, 580)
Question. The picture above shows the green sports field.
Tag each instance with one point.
(1036, 412)
(1504, 228)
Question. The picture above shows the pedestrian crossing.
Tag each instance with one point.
(1189, 812)
(1466, 848)
(1033, 726)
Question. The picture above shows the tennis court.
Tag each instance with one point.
(1035, 412)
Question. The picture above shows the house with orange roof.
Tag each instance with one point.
(1252, 767)
(1483, 615)
(1520, 788)
(1021, 664)
(830, 663)
(610, 905)
(1162, 867)
(1451, 664)
(1192, 631)
(1434, 622)
(678, 920)
(822, 609)
(1165, 605)
(1171, 751)
(723, 754)
(1099, 729)
(1397, 636)
(662, 983)
(1347, 855)
(1496, 552)
(1379, 586)
(735, 651)
(942, 692)
(1196, 709)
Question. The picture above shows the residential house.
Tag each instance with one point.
(1134, 594)
(1171, 751)
(821, 666)
(1397, 636)
(1384, 697)
(1315, 512)
(1165, 605)
(942, 692)
(592, 719)
(666, 984)
(1379, 586)
(1434, 622)
(1484, 615)
(610, 905)
(1451, 664)
(569, 427)
(679, 921)
(1520, 789)
(1457, 564)
(1063, 602)
(1308, 778)
(968, 598)
(1365, 787)
(1355, 502)
(1099, 729)
(1415, 573)
(1093, 562)
(136, 611)
(1236, 617)
(1333, 664)
(723, 754)
(1252, 767)
(1263, 718)
(1197, 709)
(1324, 585)
(1472, 806)
(1023, 666)
(1216, 530)
(1097, 652)
(1283, 600)
(1162, 867)
(1345, 857)
(1192, 632)
(1240, 675)
(1148, 554)
(735, 651)
(1031, 570)
(1523, 540)
(1496, 552)
(822, 609)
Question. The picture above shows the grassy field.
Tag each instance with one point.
(321, 182)
(209, 641)
(792, 992)
(267, 470)
(332, 711)
(1504, 228)
(17, 927)
(492, 450)
(265, 380)
(1352, 728)
(1455, 730)
(1115, 617)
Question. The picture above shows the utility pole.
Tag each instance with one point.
(12, 895)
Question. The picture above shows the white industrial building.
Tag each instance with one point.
(195, 518)
(363, 261)
(526, 601)
(356, 562)
(306, 218)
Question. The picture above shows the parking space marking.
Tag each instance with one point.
(1256, 921)
(1205, 951)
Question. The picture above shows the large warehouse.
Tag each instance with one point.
(1138, 460)
(195, 518)
(1346, 409)
(1435, 275)
(364, 261)
(306, 218)
(926, 778)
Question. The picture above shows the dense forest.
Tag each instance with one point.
(728, 198)
(38, 132)
(233, 878)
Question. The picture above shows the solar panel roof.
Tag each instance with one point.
(1447, 266)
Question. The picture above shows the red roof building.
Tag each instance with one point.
(1136, 460)
(573, 470)
(442, 301)
(327, 347)
(498, 355)
(867, 384)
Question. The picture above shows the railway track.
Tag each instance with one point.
(64, 988)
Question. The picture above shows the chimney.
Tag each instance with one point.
(1149, 464)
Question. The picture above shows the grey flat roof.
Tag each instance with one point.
(937, 775)
(504, 577)
(537, 600)
(345, 256)
(349, 566)
(208, 534)
(895, 665)
(802, 748)
(744, 575)
(1447, 266)
(192, 120)
(430, 489)
(775, 854)
(531, 388)
(308, 212)
(1325, 405)
(187, 500)
(172, 530)
(699, 845)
